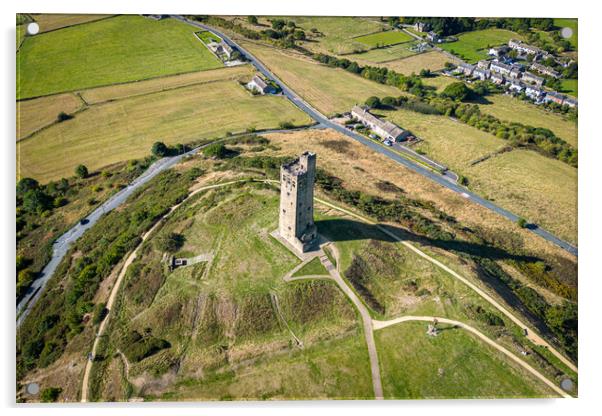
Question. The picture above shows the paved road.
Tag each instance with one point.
(383, 324)
(320, 118)
(64, 242)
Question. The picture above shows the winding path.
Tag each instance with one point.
(320, 118)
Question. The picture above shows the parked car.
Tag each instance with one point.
(388, 143)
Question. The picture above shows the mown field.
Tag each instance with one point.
(438, 82)
(330, 90)
(433, 60)
(450, 142)
(511, 109)
(50, 22)
(452, 365)
(541, 189)
(338, 32)
(388, 55)
(125, 129)
(115, 50)
(384, 38)
(473, 46)
(38, 113)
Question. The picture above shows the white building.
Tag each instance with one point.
(385, 129)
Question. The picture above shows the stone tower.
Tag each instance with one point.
(296, 224)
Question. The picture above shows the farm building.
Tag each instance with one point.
(532, 79)
(421, 27)
(433, 37)
(258, 84)
(385, 129)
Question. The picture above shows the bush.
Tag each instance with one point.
(252, 19)
(159, 149)
(171, 242)
(286, 125)
(51, 394)
(457, 91)
(100, 311)
(63, 117)
(522, 223)
(373, 102)
(216, 150)
(81, 171)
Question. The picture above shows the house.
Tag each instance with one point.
(554, 97)
(534, 93)
(500, 68)
(484, 64)
(546, 70)
(258, 84)
(481, 73)
(497, 78)
(515, 71)
(499, 51)
(515, 85)
(571, 102)
(225, 49)
(465, 68)
(532, 78)
(385, 129)
(433, 37)
(421, 27)
(522, 47)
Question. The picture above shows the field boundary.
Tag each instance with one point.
(74, 24)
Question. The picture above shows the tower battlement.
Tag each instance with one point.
(296, 223)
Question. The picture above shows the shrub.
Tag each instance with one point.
(457, 91)
(373, 102)
(286, 125)
(171, 242)
(216, 150)
(522, 223)
(81, 171)
(63, 117)
(50, 394)
(159, 149)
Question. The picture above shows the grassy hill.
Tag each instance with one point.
(114, 50)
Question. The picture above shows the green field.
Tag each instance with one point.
(115, 50)
(126, 129)
(452, 365)
(473, 46)
(384, 38)
(573, 25)
(570, 86)
(330, 90)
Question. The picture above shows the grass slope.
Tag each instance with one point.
(452, 365)
(33, 115)
(573, 25)
(314, 267)
(119, 49)
(511, 109)
(330, 90)
(433, 60)
(472, 46)
(389, 54)
(126, 129)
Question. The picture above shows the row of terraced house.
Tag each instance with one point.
(515, 76)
